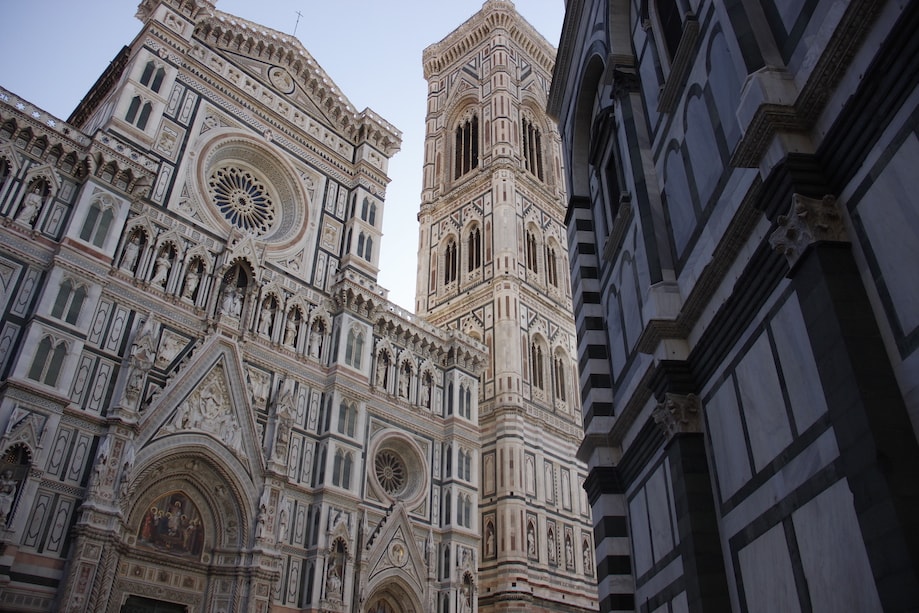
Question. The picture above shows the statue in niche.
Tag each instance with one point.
(264, 326)
(131, 252)
(551, 546)
(192, 280)
(290, 329)
(531, 540)
(31, 204)
(315, 340)
(232, 303)
(490, 539)
(161, 268)
(7, 495)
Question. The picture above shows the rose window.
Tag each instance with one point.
(242, 199)
(390, 472)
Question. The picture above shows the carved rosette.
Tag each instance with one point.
(810, 220)
(679, 414)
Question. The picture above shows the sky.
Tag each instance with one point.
(53, 51)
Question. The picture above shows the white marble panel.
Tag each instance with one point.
(680, 604)
(763, 405)
(792, 476)
(891, 222)
(765, 568)
(730, 453)
(833, 553)
(640, 533)
(659, 514)
(798, 366)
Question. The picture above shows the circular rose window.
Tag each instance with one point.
(242, 199)
(399, 469)
(251, 187)
(390, 470)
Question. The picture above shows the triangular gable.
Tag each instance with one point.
(395, 551)
(207, 398)
(24, 426)
(281, 61)
(281, 81)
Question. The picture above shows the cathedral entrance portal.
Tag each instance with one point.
(137, 604)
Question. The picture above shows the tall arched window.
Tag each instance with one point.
(448, 508)
(450, 261)
(475, 249)
(467, 146)
(536, 363)
(96, 226)
(559, 377)
(531, 251)
(532, 147)
(552, 265)
(341, 469)
(49, 358)
(156, 75)
(69, 300)
(138, 115)
(347, 418)
(354, 348)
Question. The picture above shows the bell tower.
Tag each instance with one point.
(493, 264)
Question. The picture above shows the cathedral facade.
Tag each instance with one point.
(208, 404)
(743, 231)
(492, 263)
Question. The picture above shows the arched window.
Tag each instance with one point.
(372, 217)
(354, 348)
(152, 76)
(148, 73)
(138, 119)
(467, 146)
(98, 220)
(347, 418)
(69, 300)
(49, 358)
(531, 251)
(467, 404)
(475, 249)
(532, 147)
(559, 377)
(341, 469)
(448, 462)
(450, 399)
(551, 265)
(536, 364)
(464, 510)
(448, 509)
(450, 262)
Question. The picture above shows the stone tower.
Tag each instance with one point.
(492, 263)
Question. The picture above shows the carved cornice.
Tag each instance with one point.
(833, 62)
(678, 414)
(809, 221)
(494, 15)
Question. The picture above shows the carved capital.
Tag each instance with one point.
(810, 220)
(678, 414)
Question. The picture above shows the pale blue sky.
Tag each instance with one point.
(53, 51)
